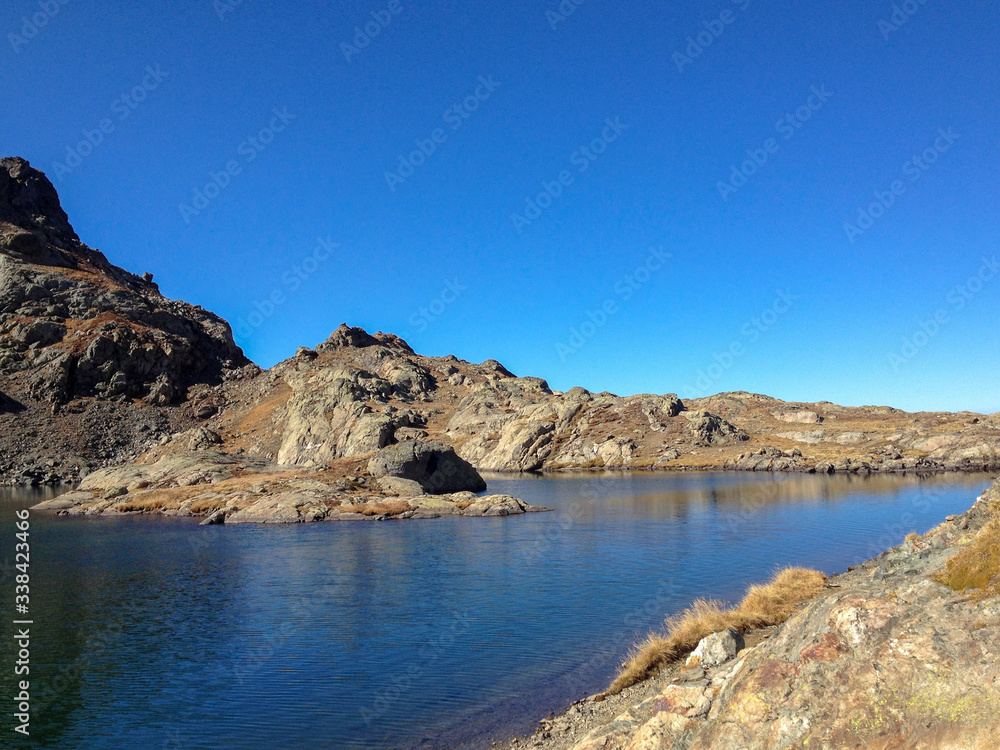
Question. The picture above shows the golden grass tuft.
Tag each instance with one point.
(384, 508)
(207, 505)
(976, 568)
(763, 605)
(142, 506)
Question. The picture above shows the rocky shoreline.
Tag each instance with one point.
(885, 657)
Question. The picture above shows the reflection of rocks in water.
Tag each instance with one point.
(885, 657)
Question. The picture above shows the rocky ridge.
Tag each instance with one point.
(95, 363)
(359, 392)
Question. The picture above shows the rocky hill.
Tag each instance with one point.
(356, 393)
(97, 367)
(362, 427)
(95, 364)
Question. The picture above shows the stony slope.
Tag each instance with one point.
(95, 363)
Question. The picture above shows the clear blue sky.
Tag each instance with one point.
(444, 238)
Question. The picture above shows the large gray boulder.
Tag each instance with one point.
(434, 466)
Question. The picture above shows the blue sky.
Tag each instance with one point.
(649, 198)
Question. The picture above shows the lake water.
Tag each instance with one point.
(156, 633)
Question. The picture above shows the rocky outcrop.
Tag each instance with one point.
(28, 200)
(85, 342)
(796, 416)
(717, 649)
(887, 657)
(710, 429)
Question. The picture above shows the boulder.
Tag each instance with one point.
(434, 466)
(215, 519)
(717, 649)
(499, 505)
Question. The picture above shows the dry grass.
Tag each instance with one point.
(208, 504)
(976, 568)
(131, 506)
(763, 605)
(258, 422)
(384, 508)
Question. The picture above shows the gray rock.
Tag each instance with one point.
(434, 466)
(711, 429)
(717, 649)
(400, 487)
(215, 519)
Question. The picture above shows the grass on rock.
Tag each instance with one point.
(976, 568)
(384, 508)
(763, 605)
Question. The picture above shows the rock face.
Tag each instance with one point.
(91, 355)
(358, 393)
(886, 658)
(433, 466)
(797, 416)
